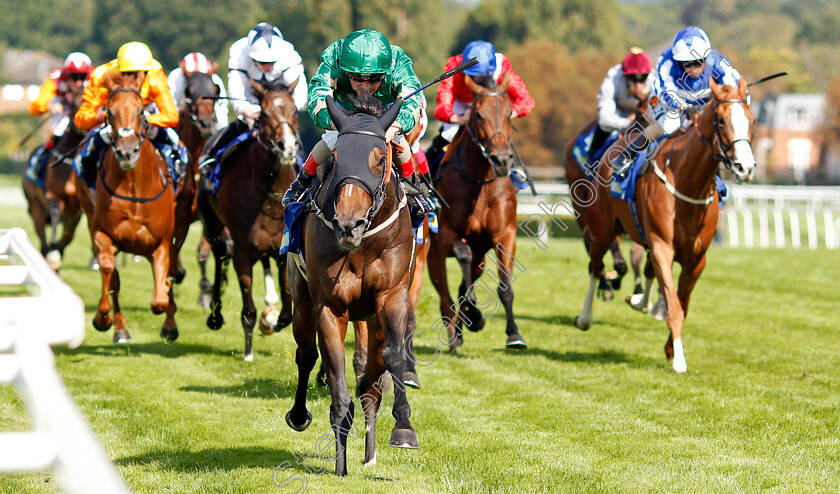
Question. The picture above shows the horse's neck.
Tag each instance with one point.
(694, 164)
(476, 165)
(189, 133)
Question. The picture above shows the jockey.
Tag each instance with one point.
(680, 89)
(197, 62)
(623, 90)
(134, 59)
(55, 97)
(363, 64)
(262, 56)
(454, 99)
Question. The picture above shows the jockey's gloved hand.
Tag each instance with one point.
(692, 110)
(298, 187)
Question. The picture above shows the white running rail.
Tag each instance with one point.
(37, 310)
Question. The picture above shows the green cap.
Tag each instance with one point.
(366, 52)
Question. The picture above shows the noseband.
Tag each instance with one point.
(124, 132)
(721, 153)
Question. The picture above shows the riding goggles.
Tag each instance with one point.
(638, 78)
(371, 78)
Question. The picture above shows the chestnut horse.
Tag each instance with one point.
(677, 205)
(482, 213)
(56, 204)
(358, 249)
(134, 208)
(247, 203)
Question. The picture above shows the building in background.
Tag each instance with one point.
(23, 73)
(789, 142)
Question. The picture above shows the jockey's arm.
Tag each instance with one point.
(445, 93)
(301, 90)
(243, 100)
(46, 94)
(518, 93)
(665, 87)
(167, 115)
(405, 82)
(177, 83)
(91, 112)
(222, 107)
(608, 117)
(321, 86)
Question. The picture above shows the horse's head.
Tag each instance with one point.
(361, 170)
(278, 120)
(200, 96)
(125, 116)
(732, 129)
(490, 123)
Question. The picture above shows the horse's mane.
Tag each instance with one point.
(367, 105)
(114, 80)
(486, 81)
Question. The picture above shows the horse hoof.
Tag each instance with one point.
(403, 438)
(102, 327)
(411, 380)
(581, 324)
(159, 308)
(660, 311)
(621, 270)
(303, 426)
(54, 259)
(249, 357)
(282, 322)
(268, 320)
(94, 264)
(606, 295)
(479, 323)
(170, 335)
(215, 321)
(180, 274)
(635, 302)
(515, 341)
(121, 336)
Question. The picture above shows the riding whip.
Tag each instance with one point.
(32, 132)
(763, 79)
(469, 63)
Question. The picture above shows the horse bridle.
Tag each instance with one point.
(721, 153)
(481, 147)
(124, 132)
(271, 144)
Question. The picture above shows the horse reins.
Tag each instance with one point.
(722, 155)
(481, 147)
(272, 145)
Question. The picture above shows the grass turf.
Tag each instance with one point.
(599, 411)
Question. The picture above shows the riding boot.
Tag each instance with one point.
(87, 161)
(298, 188)
(435, 152)
(621, 164)
(421, 203)
(599, 137)
(220, 140)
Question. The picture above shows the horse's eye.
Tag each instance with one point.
(721, 121)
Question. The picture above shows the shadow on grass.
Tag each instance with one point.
(598, 357)
(227, 459)
(263, 388)
(556, 319)
(167, 350)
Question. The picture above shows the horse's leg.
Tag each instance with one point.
(597, 249)
(370, 388)
(107, 251)
(392, 315)
(72, 216)
(360, 356)
(605, 289)
(160, 268)
(271, 297)
(505, 262)
(38, 212)
(641, 301)
(244, 272)
(688, 278)
(410, 378)
(332, 330)
(304, 329)
(205, 293)
(285, 317)
(214, 234)
(437, 273)
(468, 314)
(120, 332)
(662, 257)
(637, 254)
(54, 210)
(619, 264)
(183, 218)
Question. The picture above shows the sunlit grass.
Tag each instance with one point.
(599, 411)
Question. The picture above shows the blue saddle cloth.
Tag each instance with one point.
(214, 177)
(581, 149)
(293, 230)
(36, 170)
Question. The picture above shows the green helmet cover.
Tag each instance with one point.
(366, 52)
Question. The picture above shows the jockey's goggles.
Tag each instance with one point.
(638, 78)
(371, 78)
(691, 64)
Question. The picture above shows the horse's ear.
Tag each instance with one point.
(742, 88)
(293, 85)
(213, 68)
(339, 118)
(387, 118)
(715, 87)
(503, 86)
(471, 85)
(258, 88)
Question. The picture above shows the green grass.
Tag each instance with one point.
(599, 411)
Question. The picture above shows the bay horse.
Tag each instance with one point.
(56, 203)
(358, 250)
(133, 209)
(482, 213)
(247, 203)
(677, 204)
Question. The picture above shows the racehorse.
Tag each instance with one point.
(134, 208)
(358, 250)
(677, 205)
(247, 202)
(482, 212)
(57, 203)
